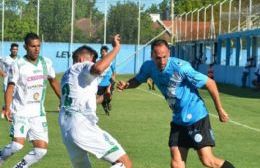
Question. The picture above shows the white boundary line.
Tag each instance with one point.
(213, 115)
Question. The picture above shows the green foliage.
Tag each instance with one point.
(147, 30)
(55, 19)
(153, 9)
(123, 19)
(189, 5)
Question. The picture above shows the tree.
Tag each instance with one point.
(165, 9)
(55, 19)
(153, 9)
(122, 18)
(15, 24)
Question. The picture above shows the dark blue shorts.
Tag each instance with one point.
(197, 135)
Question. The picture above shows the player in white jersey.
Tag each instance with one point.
(24, 99)
(8, 61)
(6, 64)
(78, 120)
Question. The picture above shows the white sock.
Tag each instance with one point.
(10, 149)
(34, 156)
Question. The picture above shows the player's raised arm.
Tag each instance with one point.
(101, 65)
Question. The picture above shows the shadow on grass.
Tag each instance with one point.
(238, 91)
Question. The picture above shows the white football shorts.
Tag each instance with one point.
(35, 128)
(80, 135)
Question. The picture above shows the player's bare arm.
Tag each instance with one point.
(132, 83)
(55, 86)
(213, 90)
(8, 100)
(2, 73)
(101, 65)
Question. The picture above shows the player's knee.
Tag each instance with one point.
(207, 161)
(124, 161)
(39, 153)
(15, 146)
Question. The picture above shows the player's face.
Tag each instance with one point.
(103, 53)
(33, 49)
(160, 56)
(14, 51)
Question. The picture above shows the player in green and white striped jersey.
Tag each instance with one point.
(24, 99)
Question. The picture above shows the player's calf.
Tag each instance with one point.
(32, 157)
(9, 150)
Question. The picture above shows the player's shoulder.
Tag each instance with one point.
(148, 64)
(178, 63)
(20, 61)
(46, 59)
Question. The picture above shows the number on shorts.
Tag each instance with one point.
(65, 92)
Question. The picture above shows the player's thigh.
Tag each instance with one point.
(38, 129)
(91, 138)
(179, 154)
(202, 134)
(101, 90)
(113, 151)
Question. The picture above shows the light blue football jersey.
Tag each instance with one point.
(106, 76)
(178, 83)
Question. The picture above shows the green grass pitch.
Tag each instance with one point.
(140, 121)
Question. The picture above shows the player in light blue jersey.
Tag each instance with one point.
(190, 126)
(106, 86)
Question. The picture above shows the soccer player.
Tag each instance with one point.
(106, 86)
(24, 99)
(8, 61)
(178, 82)
(78, 119)
(6, 65)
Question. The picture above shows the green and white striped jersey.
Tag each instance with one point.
(30, 86)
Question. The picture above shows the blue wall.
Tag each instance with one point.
(124, 60)
(229, 74)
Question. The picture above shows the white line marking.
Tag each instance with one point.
(213, 115)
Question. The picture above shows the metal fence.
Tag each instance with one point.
(212, 20)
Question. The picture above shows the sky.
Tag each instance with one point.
(100, 4)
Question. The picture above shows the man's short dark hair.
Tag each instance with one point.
(103, 48)
(84, 47)
(14, 45)
(30, 36)
(159, 42)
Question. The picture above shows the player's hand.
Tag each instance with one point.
(7, 113)
(223, 116)
(121, 85)
(116, 41)
(2, 74)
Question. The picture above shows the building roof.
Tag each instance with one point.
(179, 28)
